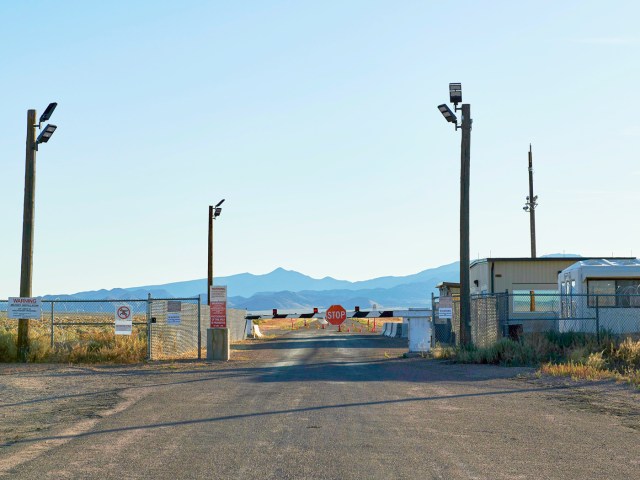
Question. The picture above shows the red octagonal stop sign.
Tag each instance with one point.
(336, 315)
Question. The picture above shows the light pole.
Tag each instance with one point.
(214, 212)
(530, 206)
(455, 97)
(26, 271)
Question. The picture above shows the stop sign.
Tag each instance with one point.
(336, 315)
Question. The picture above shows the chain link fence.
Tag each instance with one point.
(494, 316)
(176, 328)
(161, 328)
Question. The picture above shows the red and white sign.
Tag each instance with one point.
(218, 307)
(123, 312)
(335, 315)
(124, 319)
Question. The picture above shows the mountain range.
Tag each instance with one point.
(288, 289)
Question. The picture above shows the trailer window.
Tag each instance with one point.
(614, 293)
(605, 291)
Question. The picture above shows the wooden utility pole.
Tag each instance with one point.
(532, 206)
(26, 272)
(465, 167)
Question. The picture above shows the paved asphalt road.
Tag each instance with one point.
(314, 404)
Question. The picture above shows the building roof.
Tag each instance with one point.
(448, 284)
(603, 268)
(546, 259)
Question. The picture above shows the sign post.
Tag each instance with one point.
(218, 340)
(336, 315)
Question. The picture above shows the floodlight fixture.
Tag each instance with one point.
(46, 115)
(217, 211)
(219, 203)
(448, 115)
(455, 93)
(45, 135)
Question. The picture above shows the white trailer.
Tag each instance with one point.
(604, 290)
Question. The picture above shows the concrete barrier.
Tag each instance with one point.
(399, 330)
(394, 330)
(252, 330)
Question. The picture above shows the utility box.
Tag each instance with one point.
(419, 335)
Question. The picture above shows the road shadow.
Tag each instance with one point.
(212, 420)
(378, 370)
(351, 341)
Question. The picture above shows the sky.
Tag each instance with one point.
(318, 123)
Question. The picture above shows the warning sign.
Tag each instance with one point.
(218, 307)
(174, 312)
(24, 307)
(445, 307)
(124, 319)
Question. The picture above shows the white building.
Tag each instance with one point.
(606, 289)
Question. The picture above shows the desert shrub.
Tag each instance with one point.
(8, 350)
(504, 352)
(625, 356)
(575, 354)
(442, 352)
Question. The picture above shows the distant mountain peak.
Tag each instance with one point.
(281, 288)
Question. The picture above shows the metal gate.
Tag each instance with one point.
(175, 330)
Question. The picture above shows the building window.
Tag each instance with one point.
(535, 300)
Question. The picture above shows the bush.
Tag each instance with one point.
(8, 350)
(578, 355)
(504, 352)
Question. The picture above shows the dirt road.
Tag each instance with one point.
(313, 404)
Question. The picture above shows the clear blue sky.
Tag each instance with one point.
(317, 121)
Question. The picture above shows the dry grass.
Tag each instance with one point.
(620, 361)
(443, 352)
(78, 344)
(576, 371)
(576, 355)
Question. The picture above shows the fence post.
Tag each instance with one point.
(199, 332)
(52, 302)
(598, 319)
(433, 320)
(149, 326)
